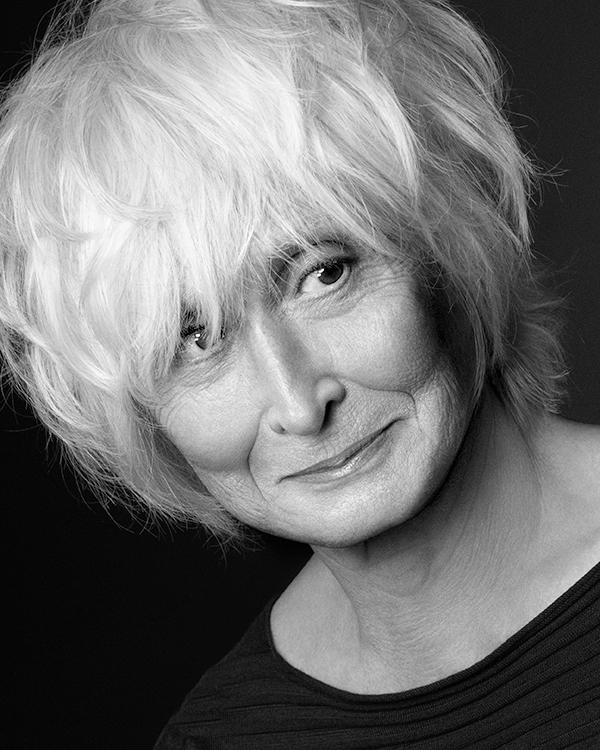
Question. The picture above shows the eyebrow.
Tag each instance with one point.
(190, 315)
(323, 237)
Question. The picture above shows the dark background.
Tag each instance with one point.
(110, 624)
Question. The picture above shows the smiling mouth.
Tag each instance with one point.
(344, 461)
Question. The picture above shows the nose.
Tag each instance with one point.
(298, 391)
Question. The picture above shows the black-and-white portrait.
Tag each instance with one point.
(299, 324)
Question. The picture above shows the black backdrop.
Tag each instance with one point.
(109, 624)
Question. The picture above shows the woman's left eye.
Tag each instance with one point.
(324, 275)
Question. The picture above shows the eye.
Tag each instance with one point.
(197, 343)
(199, 338)
(326, 274)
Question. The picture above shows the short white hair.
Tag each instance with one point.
(158, 152)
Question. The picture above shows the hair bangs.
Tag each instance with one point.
(161, 155)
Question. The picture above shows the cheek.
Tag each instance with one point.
(212, 431)
(388, 346)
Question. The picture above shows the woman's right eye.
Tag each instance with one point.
(197, 344)
(199, 338)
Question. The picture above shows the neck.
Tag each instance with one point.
(436, 593)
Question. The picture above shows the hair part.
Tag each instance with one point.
(157, 153)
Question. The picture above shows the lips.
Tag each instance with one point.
(339, 460)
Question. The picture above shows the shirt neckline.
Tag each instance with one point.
(464, 677)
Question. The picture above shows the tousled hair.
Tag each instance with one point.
(157, 152)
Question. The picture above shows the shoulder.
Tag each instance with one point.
(570, 477)
(571, 453)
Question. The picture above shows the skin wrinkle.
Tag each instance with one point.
(330, 327)
(377, 579)
(417, 559)
(438, 544)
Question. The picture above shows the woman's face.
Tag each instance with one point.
(333, 413)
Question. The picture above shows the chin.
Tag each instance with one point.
(356, 521)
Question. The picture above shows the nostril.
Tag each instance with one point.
(331, 392)
(297, 419)
(330, 410)
(307, 408)
(275, 423)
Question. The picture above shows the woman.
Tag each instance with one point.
(267, 265)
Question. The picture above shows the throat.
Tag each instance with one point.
(319, 632)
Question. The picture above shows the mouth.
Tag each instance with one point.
(343, 462)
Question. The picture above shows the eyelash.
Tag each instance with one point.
(346, 260)
(195, 332)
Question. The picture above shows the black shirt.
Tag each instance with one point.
(540, 689)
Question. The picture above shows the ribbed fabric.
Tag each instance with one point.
(540, 689)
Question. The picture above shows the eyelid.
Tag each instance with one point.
(188, 353)
(285, 265)
(321, 253)
(343, 256)
(189, 329)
